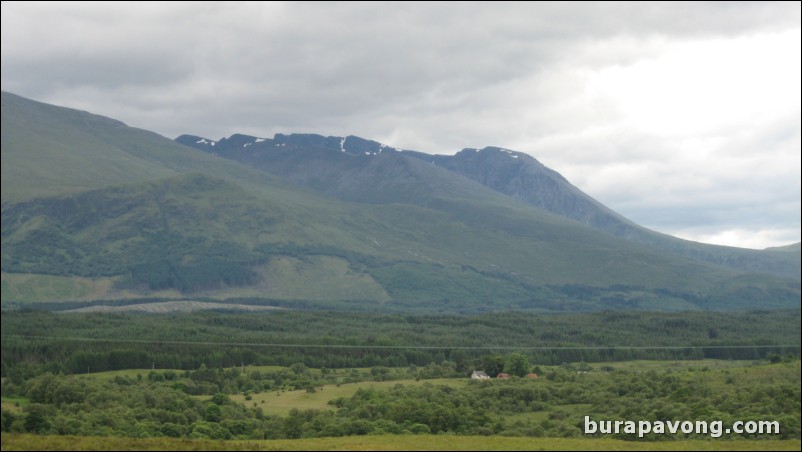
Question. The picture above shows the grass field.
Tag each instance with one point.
(132, 373)
(13, 404)
(12, 441)
(280, 403)
(127, 373)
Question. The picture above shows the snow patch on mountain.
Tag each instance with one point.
(511, 153)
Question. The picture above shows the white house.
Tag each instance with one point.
(479, 375)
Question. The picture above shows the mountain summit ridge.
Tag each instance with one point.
(505, 171)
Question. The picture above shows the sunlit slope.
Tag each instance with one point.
(51, 150)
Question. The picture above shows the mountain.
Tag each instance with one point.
(313, 161)
(523, 177)
(93, 209)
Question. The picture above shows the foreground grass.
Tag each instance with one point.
(11, 441)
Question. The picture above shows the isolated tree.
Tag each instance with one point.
(219, 398)
(493, 365)
(517, 364)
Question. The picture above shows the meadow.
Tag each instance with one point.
(380, 442)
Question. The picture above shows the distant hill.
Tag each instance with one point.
(308, 221)
(792, 248)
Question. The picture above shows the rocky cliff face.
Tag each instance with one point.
(523, 177)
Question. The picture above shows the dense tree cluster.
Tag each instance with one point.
(36, 342)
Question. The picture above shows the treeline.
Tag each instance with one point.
(35, 342)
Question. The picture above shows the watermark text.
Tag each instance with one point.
(712, 428)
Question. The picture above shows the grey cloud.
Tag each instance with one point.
(434, 77)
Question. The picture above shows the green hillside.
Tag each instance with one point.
(49, 150)
(86, 198)
(199, 234)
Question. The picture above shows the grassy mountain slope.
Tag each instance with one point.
(155, 216)
(48, 150)
(523, 177)
(51, 150)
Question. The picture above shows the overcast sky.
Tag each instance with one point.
(684, 117)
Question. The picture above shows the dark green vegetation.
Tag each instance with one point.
(95, 210)
(98, 341)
